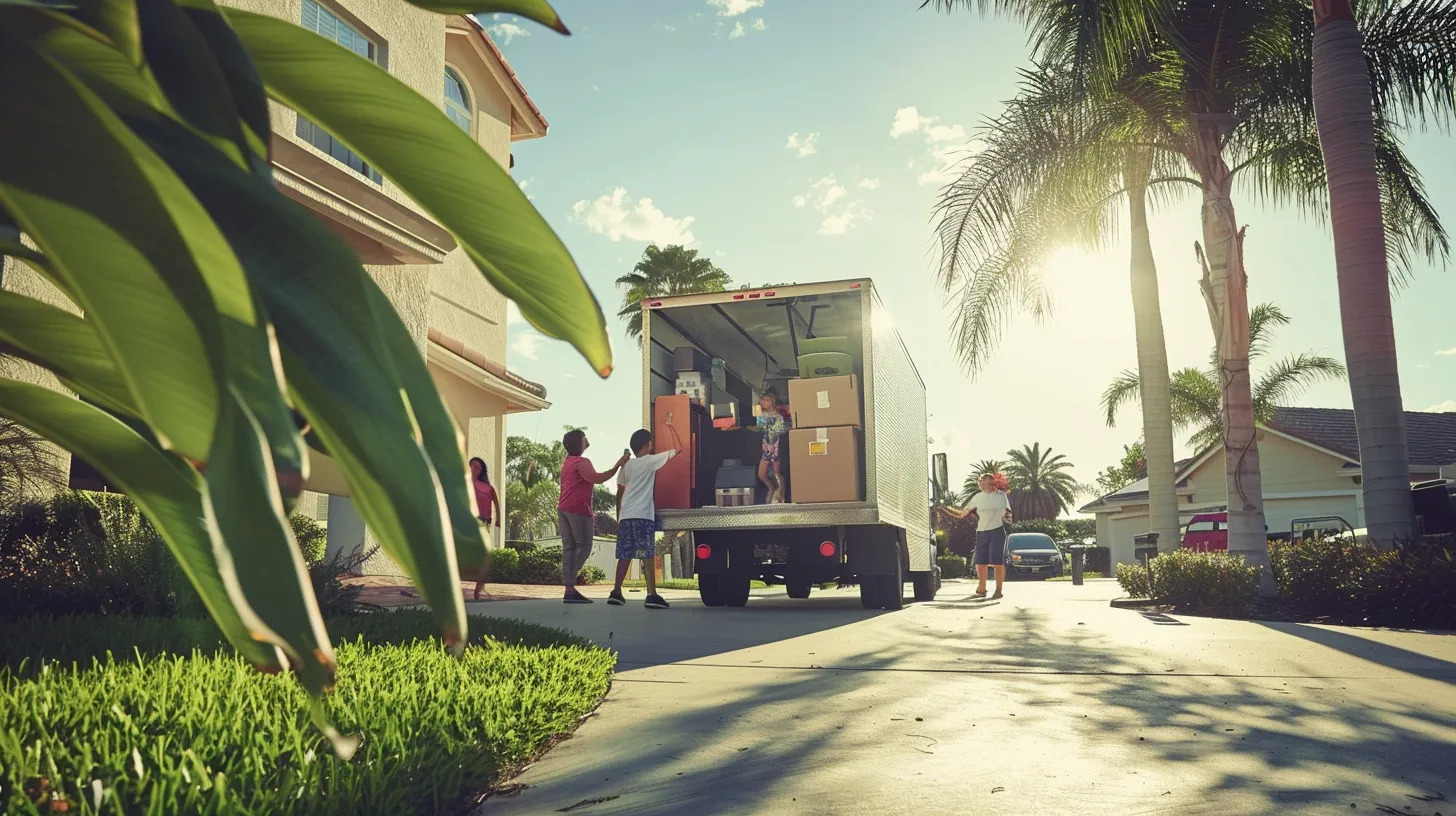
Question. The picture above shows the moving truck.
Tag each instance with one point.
(856, 493)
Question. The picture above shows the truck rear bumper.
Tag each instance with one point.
(771, 516)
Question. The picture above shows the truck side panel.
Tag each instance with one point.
(897, 450)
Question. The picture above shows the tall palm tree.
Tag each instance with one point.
(673, 270)
(1041, 487)
(1223, 82)
(530, 462)
(972, 485)
(1195, 396)
(531, 511)
(1341, 91)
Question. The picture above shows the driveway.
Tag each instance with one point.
(1048, 701)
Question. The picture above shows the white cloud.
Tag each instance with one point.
(528, 344)
(805, 146)
(1450, 352)
(737, 31)
(759, 25)
(505, 32)
(618, 216)
(868, 184)
(945, 143)
(1449, 406)
(827, 196)
(1422, 365)
(523, 184)
(733, 8)
(720, 253)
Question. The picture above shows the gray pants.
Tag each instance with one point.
(576, 543)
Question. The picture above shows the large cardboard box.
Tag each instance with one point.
(826, 402)
(826, 465)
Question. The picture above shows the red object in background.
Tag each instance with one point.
(672, 427)
(1207, 532)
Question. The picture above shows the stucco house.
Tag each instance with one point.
(1310, 462)
(457, 319)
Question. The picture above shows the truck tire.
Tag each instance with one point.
(733, 588)
(925, 585)
(892, 588)
(798, 590)
(869, 592)
(708, 590)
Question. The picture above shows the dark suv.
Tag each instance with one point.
(1032, 554)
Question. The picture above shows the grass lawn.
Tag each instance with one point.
(1067, 576)
(119, 715)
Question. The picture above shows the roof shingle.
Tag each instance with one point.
(1431, 438)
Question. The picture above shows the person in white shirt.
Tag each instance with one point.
(637, 517)
(992, 509)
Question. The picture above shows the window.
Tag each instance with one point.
(457, 99)
(1201, 527)
(320, 20)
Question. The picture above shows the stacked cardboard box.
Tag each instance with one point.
(826, 441)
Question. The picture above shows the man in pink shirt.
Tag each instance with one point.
(574, 513)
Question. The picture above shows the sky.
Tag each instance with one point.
(793, 145)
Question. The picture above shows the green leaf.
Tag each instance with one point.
(117, 20)
(108, 249)
(438, 165)
(255, 530)
(249, 96)
(340, 364)
(164, 487)
(64, 344)
(538, 10)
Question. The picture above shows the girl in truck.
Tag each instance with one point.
(773, 423)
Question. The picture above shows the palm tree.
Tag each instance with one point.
(1341, 91)
(972, 485)
(1041, 487)
(674, 270)
(530, 462)
(1220, 83)
(531, 511)
(1195, 396)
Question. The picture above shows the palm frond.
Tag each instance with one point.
(1124, 389)
(1289, 378)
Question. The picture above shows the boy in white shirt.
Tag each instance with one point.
(992, 509)
(637, 517)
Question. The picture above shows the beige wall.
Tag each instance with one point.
(1286, 466)
(21, 279)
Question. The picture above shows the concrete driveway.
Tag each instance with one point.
(1048, 701)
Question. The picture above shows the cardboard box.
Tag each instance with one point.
(826, 402)
(687, 358)
(825, 465)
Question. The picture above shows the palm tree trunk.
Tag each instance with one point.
(1152, 353)
(1227, 285)
(1343, 111)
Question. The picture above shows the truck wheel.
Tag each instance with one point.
(798, 590)
(892, 588)
(733, 588)
(925, 585)
(708, 590)
(869, 592)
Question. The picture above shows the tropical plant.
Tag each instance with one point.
(530, 462)
(28, 466)
(972, 485)
(1195, 396)
(226, 332)
(670, 270)
(1230, 84)
(531, 511)
(1041, 487)
(1132, 467)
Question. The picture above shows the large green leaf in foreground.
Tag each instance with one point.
(412, 143)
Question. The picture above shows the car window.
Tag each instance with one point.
(1201, 527)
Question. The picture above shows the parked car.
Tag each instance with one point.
(1207, 532)
(1032, 554)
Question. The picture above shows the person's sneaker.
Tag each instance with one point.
(576, 598)
(655, 602)
(616, 599)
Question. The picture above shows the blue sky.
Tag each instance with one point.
(779, 139)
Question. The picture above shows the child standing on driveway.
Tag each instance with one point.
(637, 517)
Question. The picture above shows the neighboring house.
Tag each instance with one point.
(1310, 463)
(457, 319)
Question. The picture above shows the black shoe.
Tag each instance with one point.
(616, 599)
(576, 598)
(655, 602)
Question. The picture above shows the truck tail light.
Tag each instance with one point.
(855, 285)
(704, 552)
(654, 304)
(827, 549)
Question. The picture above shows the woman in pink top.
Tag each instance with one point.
(487, 506)
(573, 512)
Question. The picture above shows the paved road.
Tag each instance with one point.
(1048, 701)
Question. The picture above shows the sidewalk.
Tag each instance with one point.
(392, 591)
(1049, 701)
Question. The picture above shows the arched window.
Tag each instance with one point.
(457, 99)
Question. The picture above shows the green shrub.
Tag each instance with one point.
(591, 575)
(543, 567)
(952, 566)
(1191, 580)
(313, 538)
(1348, 582)
(1098, 559)
(164, 728)
(520, 546)
(505, 565)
